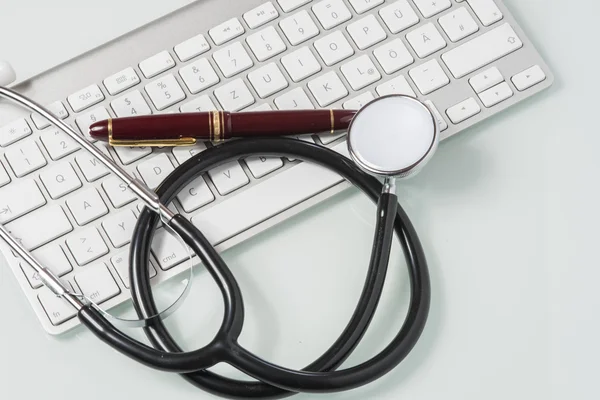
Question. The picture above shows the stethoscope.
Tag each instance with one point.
(391, 137)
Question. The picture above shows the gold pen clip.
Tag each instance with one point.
(153, 143)
(185, 141)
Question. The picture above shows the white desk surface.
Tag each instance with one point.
(508, 212)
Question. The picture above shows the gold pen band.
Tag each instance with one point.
(332, 121)
(216, 130)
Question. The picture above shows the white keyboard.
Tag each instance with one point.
(468, 60)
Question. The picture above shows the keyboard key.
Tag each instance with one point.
(430, 8)
(60, 179)
(86, 246)
(359, 101)
(294, 99)
(91, 168)
(286, 188)
(85, 98)
(429, 76)
(482, 50)
(334, 48)
(398, 85)
(155, 170)
(327, 88)
(458, 24)
(87, 206)
(442, 124)
(119, 227)
(261, 15)
(299, 27)
(266, 43)
(199, 75)
(301, 64)
(97, 284)
(360, 72)
(463, 110)
(360, 6)
(234, 95)
(57, 309)
(399, 16)
(51, 257)
(192, 47)
(426, 40)
(168, 250)
(228, 177)
(262, 166)
(331, 13)
(182, 154)
(366, 32)
(24, 157)
(232, 59)
(4, 178)
(129, 155)
(14, 131)
(495, 95)
(18, 199)
(121, 81)
(199, 104)
(156, 64)
(267, 80)
(528, 78)
(261, 107)
(226, 31)
(290, 5)
(393, 56)
(58, 144)
(85, 120)
(195, 195)
(486, 79)
(164, 92)
(57, 109)
(32, 234)
(121, 264)
(130, 104)
(117, 191)
(486, 10)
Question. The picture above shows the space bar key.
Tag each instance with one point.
(266, 199)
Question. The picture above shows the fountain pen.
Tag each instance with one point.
(185, 129)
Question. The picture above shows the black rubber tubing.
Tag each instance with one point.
(228, 350)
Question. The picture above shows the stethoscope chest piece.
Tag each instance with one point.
(393, 136)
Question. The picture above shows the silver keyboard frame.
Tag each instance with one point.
(163, 34)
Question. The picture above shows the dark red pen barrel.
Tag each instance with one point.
(279, 123)
(219, 125)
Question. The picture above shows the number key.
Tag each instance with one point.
(85, 120)
(233, 59)
(266, 43)
(130, 104)
(331, 13)
(299, 28)
(165, 92)
(58, 144)
(24, 157)
(199, 75)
